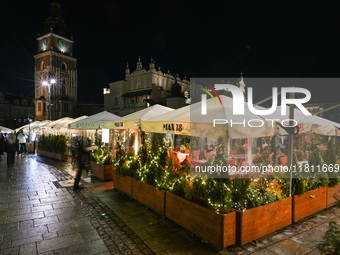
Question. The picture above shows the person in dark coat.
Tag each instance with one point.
(81, 164)
(11, 148)
(2, 145)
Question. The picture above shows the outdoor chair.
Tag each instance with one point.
(231, 162)
(284, 160)
(196, 154)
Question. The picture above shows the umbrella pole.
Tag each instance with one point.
(249, 150)
(290, 145)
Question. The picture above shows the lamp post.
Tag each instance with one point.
(49, 83)
(29, 127)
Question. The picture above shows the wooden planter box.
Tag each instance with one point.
(62, 157)
(330, 193)
(30, 148)
(149, 196)
(103, 172)
(122, 183)
(260, 221)
(217, 229)
(309, 203)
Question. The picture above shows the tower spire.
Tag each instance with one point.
(55, 23)
(139, 64)
(152, 64)
(127, 69)
(241, 83)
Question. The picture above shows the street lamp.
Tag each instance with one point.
(29, 127)
(49, 83)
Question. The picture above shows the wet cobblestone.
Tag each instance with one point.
(112, 230)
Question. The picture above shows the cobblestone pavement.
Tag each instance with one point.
(39, 216)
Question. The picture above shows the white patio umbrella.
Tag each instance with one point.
(33, 126)
(95, 121)
(6, 130)
(188, 120)
(52, 127)
(63, 125)
(56, 122)
(308, 123)
(133, 120)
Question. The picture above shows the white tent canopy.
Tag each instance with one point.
(95, 121)
(63, 125)
(33, 126)
(308, 123)
(129, 121)
(60, 125)
(6, 130)
(189, 121)
(57, 122)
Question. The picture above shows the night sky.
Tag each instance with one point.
(192, 38)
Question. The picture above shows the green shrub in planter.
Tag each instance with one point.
(119, 159)
(330, 158)
(53, 143)
(152, 161)
(319, 179)
(101, 155)
(174, 176)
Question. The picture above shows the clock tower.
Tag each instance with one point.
(55, 72)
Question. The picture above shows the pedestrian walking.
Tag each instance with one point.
(21, 137)
(11, 146)
(2, 145)
(81, 164)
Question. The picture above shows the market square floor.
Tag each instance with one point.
(41, 214)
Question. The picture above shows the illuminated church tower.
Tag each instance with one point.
(55, 72)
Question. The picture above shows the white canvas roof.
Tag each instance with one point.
(95, 121)
(63, 125)
(33, 126)
(129, 121)
(6, 130)
(57, 122)
(188, 120)
(310, 123)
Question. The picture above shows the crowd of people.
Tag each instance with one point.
(11, 144)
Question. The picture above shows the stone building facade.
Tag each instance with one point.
(55, 62)
(15, 110)
(140, 89)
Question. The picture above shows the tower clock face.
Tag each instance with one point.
(44, 42)
(62, 43)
